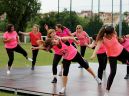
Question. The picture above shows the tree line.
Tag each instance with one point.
(24, 13)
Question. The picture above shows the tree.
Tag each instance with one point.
(94, 25)
(125, 28)
(63, 18)
(19, 12)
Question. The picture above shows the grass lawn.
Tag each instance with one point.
(44, 58)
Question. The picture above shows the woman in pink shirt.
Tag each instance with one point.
(114, 49)
(61, 31)
(101, 56)
(35, 35)
(83, 38)
(11, 45)
(125, 43)
(69, 54)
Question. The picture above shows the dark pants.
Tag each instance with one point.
(10, 53)
(102, 59)
(56, 60)
(78, 58)
(82, 50)
(34, 56)
(124, 56)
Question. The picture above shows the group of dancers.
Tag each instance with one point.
(106, 45)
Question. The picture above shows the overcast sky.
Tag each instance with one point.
(79, 5)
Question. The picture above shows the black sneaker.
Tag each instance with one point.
(54, 80)
(80, 66)
(127, 76)
(32, 68)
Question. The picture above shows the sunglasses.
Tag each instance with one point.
(78, 28)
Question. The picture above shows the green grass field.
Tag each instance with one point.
(44, 58)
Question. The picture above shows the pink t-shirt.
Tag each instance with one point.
(126, 44)
(82, 37)
(64, 33)
(13, 43)
(56, 50)
(68, 52)
(102, 49)
(113, 47)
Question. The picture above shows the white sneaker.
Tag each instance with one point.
(98, 80)
(29, 59)
(8, 72)
(62, 91)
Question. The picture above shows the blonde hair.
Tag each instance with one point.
(37, 26)
(79, 26)
(49, 32)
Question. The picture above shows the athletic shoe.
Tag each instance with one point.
(98, 80)
(80, 66)
(60, 73)
(54, 80)
(62, 91)
(8, 72)
(127, 76)
(29, 59)
(32, 68)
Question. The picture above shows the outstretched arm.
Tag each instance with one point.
(23, 33)
(69, 38)
(127, 35)
(92, 45)
(96, 49)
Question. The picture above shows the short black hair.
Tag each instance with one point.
(9, 26)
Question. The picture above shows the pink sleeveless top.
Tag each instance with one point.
(102, 49)
(82, 37)
(126, 44)
(68, 52)
(113, 47)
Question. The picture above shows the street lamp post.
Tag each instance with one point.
(112, 12)
(58, 10)
(120, 22)
(70, 14)
(98, 7)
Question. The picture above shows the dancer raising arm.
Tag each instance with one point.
(35, 35)
(69, 54)
(115, 51)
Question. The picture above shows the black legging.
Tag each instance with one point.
(10, 53)
(34, 53)
(82, 50)
(124, 56)
(56, 60)
(102, 59)
(78, 58)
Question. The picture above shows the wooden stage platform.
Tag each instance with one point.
(80, 83)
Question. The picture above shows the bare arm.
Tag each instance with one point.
(7, 40)
(127, 35)
(69, 38)
(92, 44)
(96, 49)
(23, 33)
